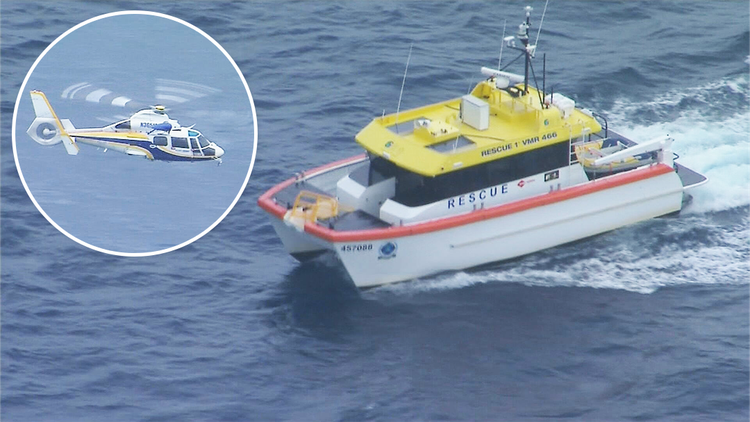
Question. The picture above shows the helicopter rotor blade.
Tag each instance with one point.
(165, 92)
(181, 91)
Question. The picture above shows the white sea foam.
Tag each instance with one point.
(711, 137)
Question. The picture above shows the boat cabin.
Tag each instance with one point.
(436, 160)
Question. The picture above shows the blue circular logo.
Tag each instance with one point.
(388, 250)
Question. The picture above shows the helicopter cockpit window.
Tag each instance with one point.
(160, 140)
(194, 144)
(123, 125)
(179, 142)
(203, 141)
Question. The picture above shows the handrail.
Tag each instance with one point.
(606, 124)
(311, 206)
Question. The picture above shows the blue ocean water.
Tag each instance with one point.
(648, 322)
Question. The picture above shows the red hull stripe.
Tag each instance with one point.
(266, 202)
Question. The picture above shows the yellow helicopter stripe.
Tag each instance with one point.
(111, 135)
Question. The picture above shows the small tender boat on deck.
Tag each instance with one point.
(590, 153)
(504, 171)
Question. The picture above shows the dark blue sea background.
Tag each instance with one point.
(648, 322)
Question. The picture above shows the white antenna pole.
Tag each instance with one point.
(541, 22)
(505, 22)
(402, 84)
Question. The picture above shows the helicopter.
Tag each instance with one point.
(148, 133)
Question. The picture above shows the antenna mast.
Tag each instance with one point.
(544, 79)
(500, 59)
(541, 22)
(402, 85)
(523, 36)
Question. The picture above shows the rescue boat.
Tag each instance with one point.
(504, 171)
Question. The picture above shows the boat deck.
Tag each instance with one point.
(689, 178)
(355, 220)
(325, 184)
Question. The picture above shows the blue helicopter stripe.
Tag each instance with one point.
(157, 153)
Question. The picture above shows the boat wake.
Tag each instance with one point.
(710, 124)
(641, 259)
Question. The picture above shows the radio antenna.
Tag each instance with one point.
(398, 109)
(544, 79)
(499, 60)
(541, 22)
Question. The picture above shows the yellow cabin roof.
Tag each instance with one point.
(434, 140)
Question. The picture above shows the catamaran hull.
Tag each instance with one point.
(374, 257)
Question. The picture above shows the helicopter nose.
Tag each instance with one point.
(219, 151)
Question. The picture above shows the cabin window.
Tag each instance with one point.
(539, 160)
(179, 142)
(203, 141)
(124, 125)
(160, 140)
(194, 144)
(414, 190)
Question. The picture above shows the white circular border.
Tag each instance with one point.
(255, 133)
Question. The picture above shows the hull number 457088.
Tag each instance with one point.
(357, 248)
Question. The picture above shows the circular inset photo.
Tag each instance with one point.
(134, 133)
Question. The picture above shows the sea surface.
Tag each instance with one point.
(645, 323)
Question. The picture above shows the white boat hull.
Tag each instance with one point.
(372, 257)
(514, 235)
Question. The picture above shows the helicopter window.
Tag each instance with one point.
(203, 141)
(125, 125)
(179, 142)
(194, 144)
(160, 140)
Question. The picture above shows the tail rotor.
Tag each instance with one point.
(47, 129)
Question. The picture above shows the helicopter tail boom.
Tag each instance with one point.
(47, 129)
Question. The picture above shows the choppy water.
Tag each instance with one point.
(649, 322)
